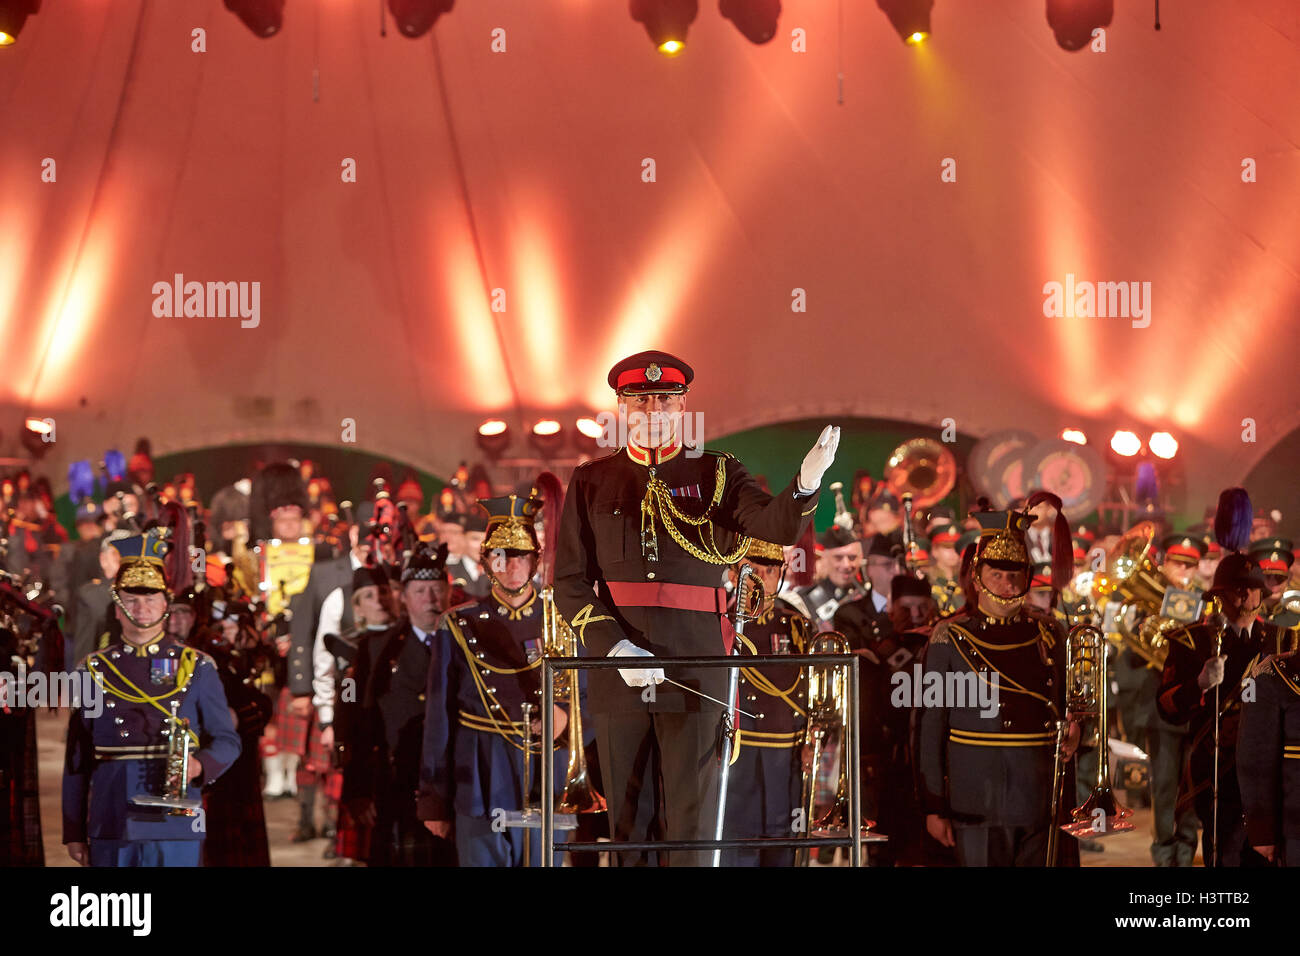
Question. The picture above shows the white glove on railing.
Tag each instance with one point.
(636, 676)
(818, 460)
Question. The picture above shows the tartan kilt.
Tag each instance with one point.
(287, 733)
(353, 840)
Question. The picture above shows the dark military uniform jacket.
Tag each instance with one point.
(1268, 754)
(472, 760)
(993, 770)
(386, 727)
(1181, 701)
(121, 753)
(325, 578)
(604, 542)
(775, 691)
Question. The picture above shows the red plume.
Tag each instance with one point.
(1062, 543)
(805, 551)
(552, 492)
(180, 575)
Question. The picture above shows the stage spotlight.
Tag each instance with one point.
(755, 19)
(263, 17)
(1163, 445)
(13, 14)
(1072, 21)
(34, 440)
(1074, 435)
(910, 18)
(547, 437)
(1126, 444)
(587, 433)
(666, 21)
(415, 18)
(493, 437)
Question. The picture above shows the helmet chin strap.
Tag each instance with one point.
(496, 582)
(1010, 604)
(130, 617)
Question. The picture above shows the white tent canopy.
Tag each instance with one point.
(522, 171)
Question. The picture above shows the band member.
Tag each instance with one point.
(945, 569)
(1219, 652)
(392, 670)
(463, 566)
(335, 697)
(644, 535)
(1268, 760)
(487, 666)
(864, 619)
(121, 752)
(1275, 557)
(840, 560)
(764, 784)
(236, 820)
(987, 768)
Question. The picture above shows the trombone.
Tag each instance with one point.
(1085, 689)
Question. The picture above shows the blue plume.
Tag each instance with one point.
(81, 481)
(115, 464)
(1148, 484)
(1233, 519)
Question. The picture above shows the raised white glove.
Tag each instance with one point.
(1211, 674)
(818, 459)
(636, 676)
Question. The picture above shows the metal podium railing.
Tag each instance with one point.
(851, 839)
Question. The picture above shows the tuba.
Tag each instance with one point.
(558, 640)
(828, 720)
(1134, 581)
(923, 467)
(1085, 693)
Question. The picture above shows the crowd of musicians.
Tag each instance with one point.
(380, 667)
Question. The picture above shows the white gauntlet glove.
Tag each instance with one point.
(818, 460)
(1211, 674)
(636, 676)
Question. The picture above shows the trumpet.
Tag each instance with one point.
(1085, 688)
(558, 640)
(175, 796)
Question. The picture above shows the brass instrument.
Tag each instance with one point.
(909, 535)
(924, 467)
(828, 718)
(1085, 693)
(176, 780)
(559, 640)
(842, 516)
(1132, 579)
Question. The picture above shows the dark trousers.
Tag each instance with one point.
(1000, 846)
(660, 772)
(762, 792)
(1174, 842)
(145, 852)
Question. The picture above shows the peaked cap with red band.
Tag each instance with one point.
(651, 373)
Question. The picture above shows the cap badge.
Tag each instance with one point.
(653, 373)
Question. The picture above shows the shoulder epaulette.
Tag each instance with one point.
(940, 633)
(719, 454)
(1183, 635)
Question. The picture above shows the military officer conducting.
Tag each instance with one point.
(645, 534)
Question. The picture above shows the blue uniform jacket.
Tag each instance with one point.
(479, 680)
(121, 752)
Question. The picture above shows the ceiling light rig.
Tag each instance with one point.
(755, 19)
(415, 18)
(1072, 21)
(910, 18)
(666, 21)
(13, 14)
(263, 17)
